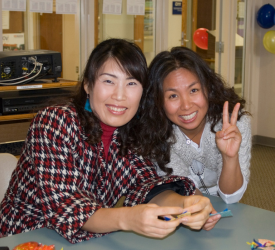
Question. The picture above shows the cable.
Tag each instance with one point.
(19, 77)
(33, 60)
(26, 80)
(46, 73)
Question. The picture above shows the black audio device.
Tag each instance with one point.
(23, 66)
(27, 101)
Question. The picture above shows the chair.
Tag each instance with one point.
(7, 165)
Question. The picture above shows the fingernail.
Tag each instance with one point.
(185, 219)
(166, 218)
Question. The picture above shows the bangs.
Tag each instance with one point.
(133, 64)
(128, 57)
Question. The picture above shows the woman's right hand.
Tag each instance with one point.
(229, 138)
(144, 219)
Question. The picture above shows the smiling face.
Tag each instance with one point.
(184, 102)
(115, 96)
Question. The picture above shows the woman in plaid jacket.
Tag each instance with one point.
(83, 157)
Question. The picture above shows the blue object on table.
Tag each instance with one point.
(224, 213)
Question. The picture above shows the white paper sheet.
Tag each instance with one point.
(41, 6)
(14, 5)
(66, 6)
(136, 7)
(112, 7)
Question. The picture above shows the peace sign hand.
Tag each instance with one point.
(229, 139)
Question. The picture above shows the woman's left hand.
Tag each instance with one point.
(229, 138)
(212, 221)
(200, 208)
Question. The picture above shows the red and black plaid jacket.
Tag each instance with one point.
(60, 180)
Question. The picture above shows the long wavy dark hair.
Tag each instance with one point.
(132, 61)
(214, 88)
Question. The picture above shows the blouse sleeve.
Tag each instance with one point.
(147, 179)
(52, 143)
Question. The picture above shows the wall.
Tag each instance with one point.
(260, 75)
(174, 27)
(71, 34)
(112, 25)
(266, 115)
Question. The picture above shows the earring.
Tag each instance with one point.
(87, 106)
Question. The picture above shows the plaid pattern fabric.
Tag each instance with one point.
(61, 180)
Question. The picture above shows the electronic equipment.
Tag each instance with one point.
(24, 66)
(14, 148)
(17, 102)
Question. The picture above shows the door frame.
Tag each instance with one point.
(1, 36)
(189, 12)
(252, 64)
(162, 28)
(87, 31)
(226, 12)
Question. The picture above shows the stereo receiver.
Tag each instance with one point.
(17, 102)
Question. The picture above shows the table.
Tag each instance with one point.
(247, 223)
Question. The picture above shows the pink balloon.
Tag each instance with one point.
(200, 38)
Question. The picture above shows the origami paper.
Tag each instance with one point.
(178, 216)
(262, 244)
(224, 213)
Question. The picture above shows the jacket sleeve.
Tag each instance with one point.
(245, 149)
(244, 159)
(149, 183)
(52, 142)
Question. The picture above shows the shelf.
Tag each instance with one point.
(5, 118)
(47, 84)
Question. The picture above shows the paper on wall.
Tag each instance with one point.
(112, 7)
(14, 5)
(66, 6)
(136, 7)
(41, 6)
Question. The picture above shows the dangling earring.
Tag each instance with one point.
(87, 104)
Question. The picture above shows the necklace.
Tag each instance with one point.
(199, 173)
(188, 140)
